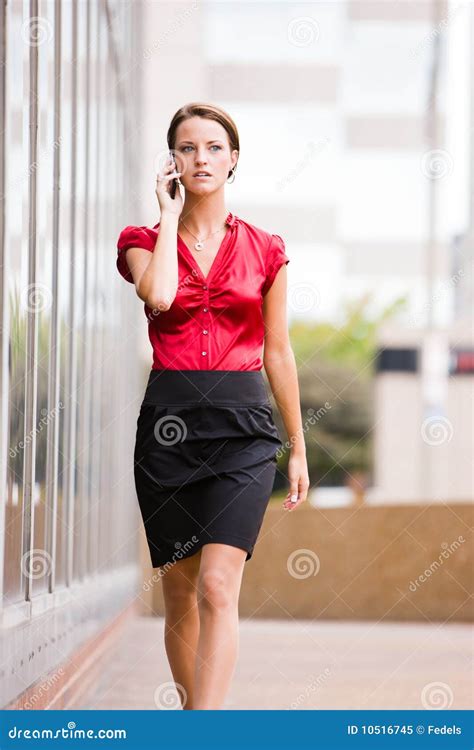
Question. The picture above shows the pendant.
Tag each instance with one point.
(199, 245)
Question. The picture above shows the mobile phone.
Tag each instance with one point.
(174, 183)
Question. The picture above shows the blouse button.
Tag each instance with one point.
(203, 353)
(205, 309)
(204, 286)
(204, 331)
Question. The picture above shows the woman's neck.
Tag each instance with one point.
(202, 215)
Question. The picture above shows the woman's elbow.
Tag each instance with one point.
(159, 302)
(156, 300)
(278, 354)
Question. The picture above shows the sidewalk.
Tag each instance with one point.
(306, 665)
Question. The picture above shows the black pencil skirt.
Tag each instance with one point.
(204, 460)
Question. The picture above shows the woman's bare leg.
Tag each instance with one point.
(220, 577)
(182, 624)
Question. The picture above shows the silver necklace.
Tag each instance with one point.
(200, 242)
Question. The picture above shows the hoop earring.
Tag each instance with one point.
(232, 175)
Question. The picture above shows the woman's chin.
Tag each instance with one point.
(202, 188)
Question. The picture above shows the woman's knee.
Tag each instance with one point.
(216, 589)
(180, 585)
(180, 597)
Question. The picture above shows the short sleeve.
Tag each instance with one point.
(132, 236)
(275, 259)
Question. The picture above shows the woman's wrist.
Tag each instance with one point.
(298, 447)
(169, 217)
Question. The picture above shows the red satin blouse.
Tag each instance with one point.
(215, 322)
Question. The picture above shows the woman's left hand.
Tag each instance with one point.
(299, 480)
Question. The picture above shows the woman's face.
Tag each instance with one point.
(203, 146)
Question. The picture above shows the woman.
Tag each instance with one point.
(214, 288)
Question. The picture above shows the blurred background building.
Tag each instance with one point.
(356, 121)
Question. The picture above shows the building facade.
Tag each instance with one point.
(68, 520)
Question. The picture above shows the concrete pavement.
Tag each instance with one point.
(304, 665)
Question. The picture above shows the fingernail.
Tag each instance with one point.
(294, 498)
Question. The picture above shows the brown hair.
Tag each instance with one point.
(209, 112)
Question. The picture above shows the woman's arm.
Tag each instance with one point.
(156, 275)
(280, 366)
(156, 278)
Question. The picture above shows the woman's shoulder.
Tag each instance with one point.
(255, 233)
(139, 235)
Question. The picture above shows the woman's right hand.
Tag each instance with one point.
(164, 179)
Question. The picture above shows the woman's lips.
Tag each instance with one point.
(202, 177)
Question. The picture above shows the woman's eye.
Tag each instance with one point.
(215, 145)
